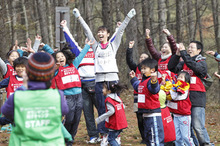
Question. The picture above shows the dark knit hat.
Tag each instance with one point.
(40, 67)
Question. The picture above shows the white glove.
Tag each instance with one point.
(76, 12)
(131, 13)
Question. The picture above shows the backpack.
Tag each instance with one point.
(207, 81)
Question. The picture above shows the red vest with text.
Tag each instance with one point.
(88, 59)
(168, 125)
(13, 85)
(147, 100)
(163, 66)
(139, 76)
(10, 71)
(118, 120)
(67, 77)
(181, 107)
(195, 82)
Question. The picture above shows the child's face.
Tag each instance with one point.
(105, 90)
(142, 57)
(165, 50)
(181, 77)
(61, 59)
(103, 35)
(20, 69)
(12, 57)
(145, 70)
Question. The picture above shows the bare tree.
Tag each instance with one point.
(191, 24)
(107, 17)
(162, 20)
(179, 23)
(50, 24)
(198, 19)
(25, 18)
(43, 20)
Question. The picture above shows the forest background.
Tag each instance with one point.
(186, 19)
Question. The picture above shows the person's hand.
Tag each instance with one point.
(167, 32)
(42, 45)
(131, 44)
(89, 42)
(154, 76)
(76, 12)
(131, 13)
(210, 52)
(147, 33)
(132, 74)
(63, 23)
(38, 37)
(57, 65)
(28, 44)
(118, 24)
(164, 77)
(217, 75)
(181, 46)
(16, 47)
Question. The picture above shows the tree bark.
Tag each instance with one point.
(43, 21)
(162, 21)
(191, 24)
(107, 16)
(198, 19)
(50, 28)
(25, 19)
(179, 23)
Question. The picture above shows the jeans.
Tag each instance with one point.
(89, 101)
(183, 131)
(140, 120)
(112, 135)
(75, 104)
(198, 124)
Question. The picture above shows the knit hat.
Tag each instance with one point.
(40, 67)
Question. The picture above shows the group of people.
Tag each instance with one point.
(44, 85)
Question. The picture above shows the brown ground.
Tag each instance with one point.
(131, 136)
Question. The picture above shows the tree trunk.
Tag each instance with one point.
(179, 23)
(7, 6)
(107, 16)
(191, 24)
(151, 4)
(25, 19)
(168, 14)
(198, 19)
(43, 20)
(14, 21)
(50, 24)
(162, 21)
(117, 6)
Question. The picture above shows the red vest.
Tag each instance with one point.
(10, 71)
(139, 76)
(13, 85)
(147, 100)
(88, 59)
(163, 66)
(118, 120)
(195, 82)
(168, 125)
(67, 77)
(181, 107)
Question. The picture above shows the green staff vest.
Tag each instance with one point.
(37, 117)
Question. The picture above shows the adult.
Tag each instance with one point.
(194, 63)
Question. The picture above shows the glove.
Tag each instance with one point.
(131, 13)
(76, 12)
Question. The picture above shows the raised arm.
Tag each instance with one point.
(36, 43)
(3, 67)
(86, 28)
(75, 49)
(171, 40)
(153, 51)
(129, 56)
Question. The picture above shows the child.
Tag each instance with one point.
(180, 106)
(37, 110)
(115, 119)
(15, 81)
(137, 68)
(105, 59)
(148, 102)
(168, 49)
(67, 79)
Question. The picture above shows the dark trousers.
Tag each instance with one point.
(140, 121)
(75, 104)
(89, 101)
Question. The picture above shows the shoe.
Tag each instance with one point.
(118, 139)
(143, 142)
(104, 141)
(69, 143)
(93, 140)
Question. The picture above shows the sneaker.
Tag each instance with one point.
(104, 141)
(118, 139)
(93, 140)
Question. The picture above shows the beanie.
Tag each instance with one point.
(40, 67)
